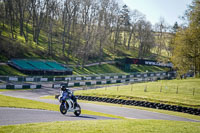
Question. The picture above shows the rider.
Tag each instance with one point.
(67, 92)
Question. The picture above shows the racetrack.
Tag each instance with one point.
(33, 115)
(11, 116)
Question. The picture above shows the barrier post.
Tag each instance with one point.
(193, 91)
(177, 90)
(145, 89)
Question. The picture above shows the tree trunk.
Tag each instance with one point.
(68, 37)
(130, 37)
(21, 20)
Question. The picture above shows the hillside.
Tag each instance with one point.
(18, 48)
(78, 38)
(36, 34)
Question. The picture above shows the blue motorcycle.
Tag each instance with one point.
(68, 105)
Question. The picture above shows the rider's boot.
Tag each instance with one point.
(75, 105)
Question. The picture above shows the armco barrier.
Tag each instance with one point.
(18, 86)
(82, 77)
(103, 82)
(142, 103)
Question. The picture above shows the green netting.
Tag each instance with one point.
(39, 65)
(55, 65)
(23, 64)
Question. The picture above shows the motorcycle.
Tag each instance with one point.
(68, 105)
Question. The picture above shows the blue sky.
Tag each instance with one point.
(170, 10)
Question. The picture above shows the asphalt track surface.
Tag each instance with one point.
(13, 116)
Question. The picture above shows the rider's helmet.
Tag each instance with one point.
(63, 88)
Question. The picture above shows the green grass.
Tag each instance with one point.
(98, 69)
(168, 95)
(7, 101)
(145, 68)
(7, 71)
(1, 90)
(106, 126)
(107, 68)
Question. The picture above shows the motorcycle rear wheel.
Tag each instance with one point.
(78, 112)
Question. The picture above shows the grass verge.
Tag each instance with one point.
(1, 90)
(106, 126)
(175, 92)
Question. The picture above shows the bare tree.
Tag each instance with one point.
(161, 36)
(38, 17)
(135, 17)
(2, 16)
(90, 19)
(145, 38)
(52, 11)
(9, 7)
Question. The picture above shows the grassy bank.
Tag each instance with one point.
(175, 92)
(107, 68)
(7, 101)
(106, 126)
(9, 71)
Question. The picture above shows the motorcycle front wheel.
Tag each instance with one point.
(63, 109)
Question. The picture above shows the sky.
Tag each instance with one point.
(170, 10)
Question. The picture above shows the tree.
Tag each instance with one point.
(135, 17)
(125, 22)
(103, 26)
(2, 16)
(161, 35)
(38, 17)
(145, 37)
(51, 12)
(175, 27)
(186, 53)
(10, 15)
(21, 7)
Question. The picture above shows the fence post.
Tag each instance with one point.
(105, 88)
(131, 87)
(193, 91)
(161, 89)
(117, 88)
(177, 90)
(145, 89)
